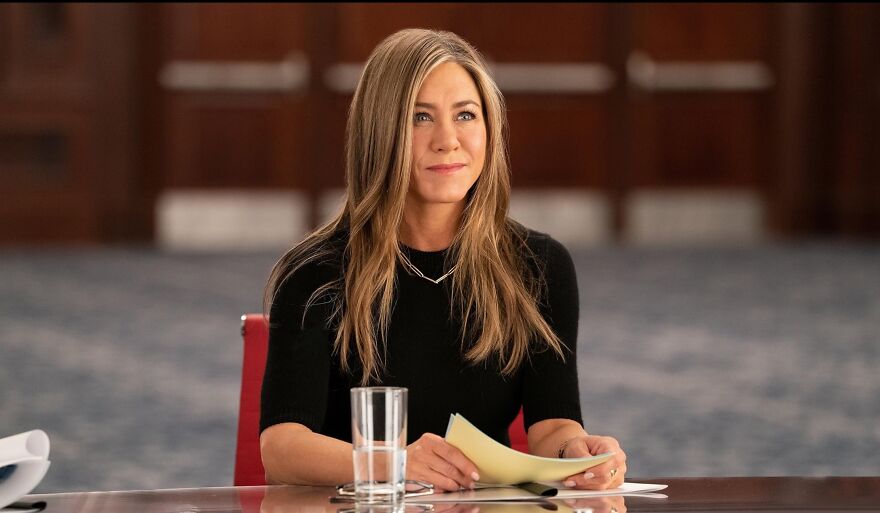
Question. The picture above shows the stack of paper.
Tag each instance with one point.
(24, 460)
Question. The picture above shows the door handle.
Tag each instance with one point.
(288, 75)
(519, 77)
(681, 76)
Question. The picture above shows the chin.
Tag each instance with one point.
(444, 197)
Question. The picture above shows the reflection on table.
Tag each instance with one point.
(747, 494)
(290, 499)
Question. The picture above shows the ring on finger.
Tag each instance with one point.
(613, 473)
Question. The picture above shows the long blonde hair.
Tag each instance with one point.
(496, 292)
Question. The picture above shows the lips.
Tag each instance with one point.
(446, 168)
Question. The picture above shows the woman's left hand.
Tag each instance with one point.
(603, 476)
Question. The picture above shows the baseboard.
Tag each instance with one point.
(230, 220)
(693, 217)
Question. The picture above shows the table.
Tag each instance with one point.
(728, 495)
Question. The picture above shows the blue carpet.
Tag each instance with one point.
(759, 361)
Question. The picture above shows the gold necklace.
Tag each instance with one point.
(420, 274)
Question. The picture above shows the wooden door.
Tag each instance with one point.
(240, 107)
(234, 88)
(701, 86)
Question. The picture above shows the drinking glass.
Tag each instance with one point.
(378, 438)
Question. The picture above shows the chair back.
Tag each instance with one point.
(248, 462)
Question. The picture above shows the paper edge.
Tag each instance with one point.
(449, 497)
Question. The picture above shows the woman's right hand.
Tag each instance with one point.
(433, 460)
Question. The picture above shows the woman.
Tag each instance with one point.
(423, 281)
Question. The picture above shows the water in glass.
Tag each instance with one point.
(379, 474)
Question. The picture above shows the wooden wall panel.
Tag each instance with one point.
(235, 32)
(703, 31)
(49, 50)
(559, 142)
(800, 180)
(541, 32)
(681, 142)
(332, 172)
(855, 113)
(244, 138)
(362, 26)
(504, 32)
(56, 82)
(690, 129)
(556, 140)
(223, 141)
(48, 162)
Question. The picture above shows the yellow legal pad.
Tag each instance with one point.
(499, 464)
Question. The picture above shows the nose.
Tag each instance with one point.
(444, 138)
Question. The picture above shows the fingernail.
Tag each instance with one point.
(475, 476)
(588, 475)
(569, 483)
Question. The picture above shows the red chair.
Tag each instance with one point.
(248, 463)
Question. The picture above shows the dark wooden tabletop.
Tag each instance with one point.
(738, 494)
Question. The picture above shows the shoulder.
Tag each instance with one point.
(558, 285)
(303, 271)
(547, 253)
(319, 256)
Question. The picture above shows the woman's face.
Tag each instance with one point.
(449, 137)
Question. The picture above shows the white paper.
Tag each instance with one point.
(24, 460)
(509, 493)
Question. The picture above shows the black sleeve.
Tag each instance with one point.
(298, 362)
(550, 384)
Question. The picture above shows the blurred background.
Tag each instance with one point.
(713, 168)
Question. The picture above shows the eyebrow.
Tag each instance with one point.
(454, 105)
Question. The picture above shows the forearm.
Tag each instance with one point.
(293, 454)
(547, 436)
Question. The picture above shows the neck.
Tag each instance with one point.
(430, 227)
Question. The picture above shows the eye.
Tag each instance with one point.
(467, 116)
(421, 116)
